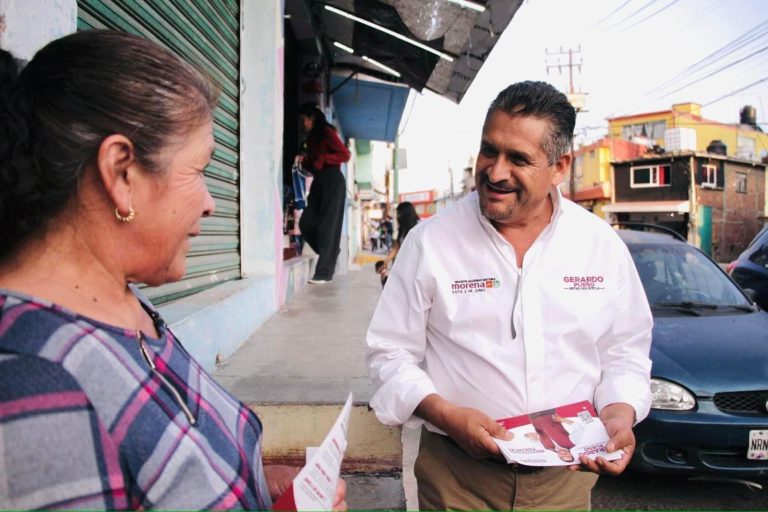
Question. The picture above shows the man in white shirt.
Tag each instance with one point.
(513, 301)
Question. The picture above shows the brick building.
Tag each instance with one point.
(716, 201)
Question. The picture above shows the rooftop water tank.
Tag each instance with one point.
(717, 147)
(748, 115)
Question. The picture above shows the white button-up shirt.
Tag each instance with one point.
(459, 318)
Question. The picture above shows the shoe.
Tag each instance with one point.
(319, 281)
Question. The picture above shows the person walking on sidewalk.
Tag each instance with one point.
(407, 218)
(386, 232)
(321, 221)
(103, 146)
(514, 300)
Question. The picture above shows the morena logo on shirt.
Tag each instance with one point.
(474, 285)
(584, 282)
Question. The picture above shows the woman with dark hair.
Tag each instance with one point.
(103, 143)
(407, 218)
(321, 221)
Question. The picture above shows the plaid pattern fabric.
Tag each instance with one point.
(87, 423)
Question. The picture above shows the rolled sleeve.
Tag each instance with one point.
(398, 397)
(624, 352)
(397, 341)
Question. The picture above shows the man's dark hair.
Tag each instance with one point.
(540, 99)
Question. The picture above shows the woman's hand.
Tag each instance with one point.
(279, 478)
(340, 498)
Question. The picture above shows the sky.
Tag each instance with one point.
(634, 55)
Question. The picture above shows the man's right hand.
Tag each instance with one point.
(472, 430)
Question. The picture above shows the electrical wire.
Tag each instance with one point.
(704, 12)
(631, 15)
(736, 92)
(710, 59)
(709, 75)
(608, 15)
(654, 13)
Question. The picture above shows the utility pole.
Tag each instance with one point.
(577, 99)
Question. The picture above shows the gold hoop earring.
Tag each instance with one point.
(127, 218)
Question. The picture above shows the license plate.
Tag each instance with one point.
(758, 445)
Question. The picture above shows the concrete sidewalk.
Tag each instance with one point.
(297, 370)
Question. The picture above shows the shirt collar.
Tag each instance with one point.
(557, 209)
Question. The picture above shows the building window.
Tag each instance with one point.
(741, 183)
(650, 130)
(650, 176)
(708, 176)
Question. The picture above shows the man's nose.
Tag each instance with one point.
(499, 170)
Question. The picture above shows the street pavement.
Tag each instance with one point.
(302, 363)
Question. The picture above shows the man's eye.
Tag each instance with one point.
(488, 151)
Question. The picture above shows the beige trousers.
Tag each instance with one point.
(449, 479)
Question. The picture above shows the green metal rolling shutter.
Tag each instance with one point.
(206, 33)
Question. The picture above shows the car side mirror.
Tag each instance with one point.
(759, 297)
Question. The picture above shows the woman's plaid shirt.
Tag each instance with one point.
(96, 417)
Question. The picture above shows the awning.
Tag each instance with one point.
(452, 41)
(648, 207)
(368, 109)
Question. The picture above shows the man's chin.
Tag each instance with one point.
(494, 211)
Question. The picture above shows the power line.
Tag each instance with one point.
(761, 50)
(631, 15)
(704, 12)
(654, 13)
(737, 43)
(702, 63)
(736, 92)
(609, 15)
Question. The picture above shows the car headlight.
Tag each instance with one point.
(670, 396)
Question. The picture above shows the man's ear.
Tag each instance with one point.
(562, 168)
(116, 163)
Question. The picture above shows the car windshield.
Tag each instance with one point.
(677, 274)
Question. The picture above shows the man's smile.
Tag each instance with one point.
(499, 187)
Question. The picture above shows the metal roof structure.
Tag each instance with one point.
(438, 45)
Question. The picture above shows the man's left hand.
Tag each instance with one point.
(618, 419)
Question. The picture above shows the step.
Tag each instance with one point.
(373, 462)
